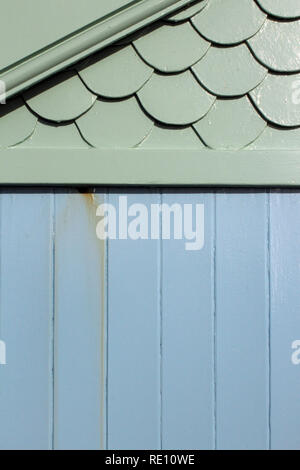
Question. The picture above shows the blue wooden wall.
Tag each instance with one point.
(126, 344)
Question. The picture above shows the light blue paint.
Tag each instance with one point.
(187, 335)
(134, 339)
(242, 311)
(26, 320)
(285, 320)
(186, 360)
(79, 398)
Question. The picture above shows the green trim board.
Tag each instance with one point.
(90, 167)
(76, 46)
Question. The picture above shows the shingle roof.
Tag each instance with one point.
(222, 73)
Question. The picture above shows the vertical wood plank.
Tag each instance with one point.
(134, 338)
(285, 319)
(242, 310)
(26, 320)
(187, 333)
(79, 324)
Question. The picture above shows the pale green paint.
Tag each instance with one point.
(277, 45)
(46, 135)
(16, 123)
(229, 21)
(170, 138)
(278, 97)
(231, 71)
(172, 48)
(116, 74)
(187, 12)
(230, 124)
(98, 126)
(281, 8)
(172, 98)
(150, 167)
(277, 139)
(29, 26)
(175, 99)
(62, 98)
(85, 42)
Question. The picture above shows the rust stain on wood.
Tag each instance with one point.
(92, 201)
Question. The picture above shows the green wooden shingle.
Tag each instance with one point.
(175, 99)
(16, 123)
(281, 8)
(222, 74)
(55, 136)
(98, 126)
(277, 45)
(229, 22)
(172, 49)
(231, 71)
(62, 98)
(278, 99)
(119, 73)
(168, 75)
(230, 124)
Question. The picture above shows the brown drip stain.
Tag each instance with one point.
(92, 201)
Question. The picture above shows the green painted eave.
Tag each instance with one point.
(71, 40)
(90, 167)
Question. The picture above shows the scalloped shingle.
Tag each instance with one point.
(231, 71)
(281, 8)
(98, 126)
(172, 48)
(229, 21)
(117, 73)
(16, 123)
(230, 124)
(60, 98)
(277, 45)
(175, 99)
(278, 99)
(168, 86)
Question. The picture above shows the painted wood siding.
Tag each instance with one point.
(141, 344)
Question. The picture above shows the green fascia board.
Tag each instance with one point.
(90, 167)
(103, 32)
(32, 25)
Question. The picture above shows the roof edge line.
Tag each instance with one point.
(86, 42)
